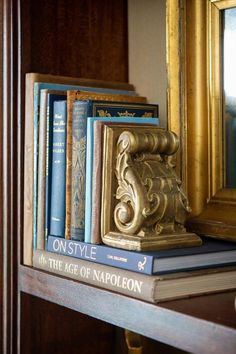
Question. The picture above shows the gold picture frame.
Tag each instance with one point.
(195, 112)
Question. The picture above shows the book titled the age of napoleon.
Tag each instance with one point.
(145, 287)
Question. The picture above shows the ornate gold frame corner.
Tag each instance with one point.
(195, 91)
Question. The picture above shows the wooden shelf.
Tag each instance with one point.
(205, 324)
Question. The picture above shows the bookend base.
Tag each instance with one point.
(150, 243)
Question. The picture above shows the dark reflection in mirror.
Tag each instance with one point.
(229, 101)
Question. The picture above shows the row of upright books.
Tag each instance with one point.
(64, 135)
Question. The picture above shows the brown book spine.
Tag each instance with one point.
(28, 172)
(71, 96)
(125, 282)
(97, 183)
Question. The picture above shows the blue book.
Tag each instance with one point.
(81, 111)
(212, 253)
(89, 163)
(37, 87)
(51, 98)
(58, 182)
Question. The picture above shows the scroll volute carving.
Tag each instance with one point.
(151, 207)
(150, 194)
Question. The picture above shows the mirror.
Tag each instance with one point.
(201, 59)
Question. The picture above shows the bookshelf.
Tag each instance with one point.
(204, 324)
(40, 311)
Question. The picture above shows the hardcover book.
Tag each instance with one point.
(94, 170)
(81, 111)
(140, 286)
(52, 98)
(75, 95)
(58, 183)
(44, 163)
(212, 253)
(34, 83)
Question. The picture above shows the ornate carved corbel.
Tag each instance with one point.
(150, 207)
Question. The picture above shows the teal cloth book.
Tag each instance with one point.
(89, 189)
(81, 111)
(37, 87)
(58, 183)
(49, 141)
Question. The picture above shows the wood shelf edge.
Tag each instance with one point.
(160, 323)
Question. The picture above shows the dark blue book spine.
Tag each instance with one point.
(57, 219)
(81, 110)
(134, 261)
(48, 180)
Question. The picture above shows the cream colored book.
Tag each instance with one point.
(151, 288)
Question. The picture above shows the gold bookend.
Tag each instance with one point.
(143, 204)
(134, 342)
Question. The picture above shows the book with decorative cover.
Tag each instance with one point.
(94, 170)
(81, 111)
(35, 82)
(212, 253)
(154, 288)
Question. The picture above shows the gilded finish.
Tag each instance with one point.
(175, 87)
(213, 207)
(147, 204)
(134, 342)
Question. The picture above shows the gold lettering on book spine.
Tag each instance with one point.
(152, 207)
(102, 113)
(126, 114)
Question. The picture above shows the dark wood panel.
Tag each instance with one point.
(82, 38)
(189, 331)
(48, 328)
(149, 346)
(58, 330)
(8, 177)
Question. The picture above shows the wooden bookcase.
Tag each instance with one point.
(44, 313)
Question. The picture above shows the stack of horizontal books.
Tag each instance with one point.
(64, 129)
